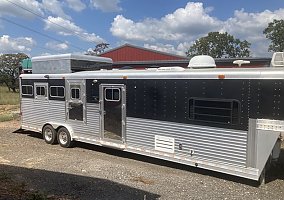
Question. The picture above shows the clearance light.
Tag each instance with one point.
(125, 77)
(221, 76)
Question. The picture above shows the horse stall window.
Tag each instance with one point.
(75, 92)
(27, 90)
(112, 94)
(57, 91)
(41, 91)
(225, 111)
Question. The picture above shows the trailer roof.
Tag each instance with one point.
(70, 56)
(214, 73)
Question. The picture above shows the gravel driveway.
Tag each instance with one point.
(91, 172)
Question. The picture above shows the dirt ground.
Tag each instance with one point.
(32, 169)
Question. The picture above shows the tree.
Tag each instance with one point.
(275, 32)
(219, 45)
(100, 48)
(9, 69)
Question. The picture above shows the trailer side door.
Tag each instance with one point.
(112, 112)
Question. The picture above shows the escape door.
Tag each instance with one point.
(112, 112)
(75, 100)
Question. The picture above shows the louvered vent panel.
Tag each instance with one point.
(165, 144)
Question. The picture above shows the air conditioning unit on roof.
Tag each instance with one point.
(277, 59)
(202, 61)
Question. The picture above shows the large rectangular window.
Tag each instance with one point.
(223, 111)
(27, 90)
(57, 91)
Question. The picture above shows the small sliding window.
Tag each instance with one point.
(225, 111)
(41, 90)
(112, 94)
(27, 90)
(57, 91)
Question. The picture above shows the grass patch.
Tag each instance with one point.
(6, 117)
(8, 98)
(9, 112)
(9, 104)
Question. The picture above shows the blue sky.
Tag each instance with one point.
(52, 26)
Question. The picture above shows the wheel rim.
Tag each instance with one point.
(48, 134)
(63, 137)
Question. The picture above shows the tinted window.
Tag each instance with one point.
(27, 90)
(75, 93)
(40, 90)
(57, 91)
(112, 94)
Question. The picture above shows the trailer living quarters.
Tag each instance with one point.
(225, 120)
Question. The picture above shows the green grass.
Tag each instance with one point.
(9, 104)
(6, 117)
(8, 98)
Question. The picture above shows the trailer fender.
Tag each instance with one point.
(56, 126)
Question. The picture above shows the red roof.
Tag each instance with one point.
(129, 52)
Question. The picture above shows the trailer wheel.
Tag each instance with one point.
(64, 138)
(49, 134)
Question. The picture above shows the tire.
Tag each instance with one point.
(64, 138)
(49, 134)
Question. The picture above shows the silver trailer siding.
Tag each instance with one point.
(236, 152)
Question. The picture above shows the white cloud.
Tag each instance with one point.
(55, 7)
(250, 26)
(107, 5)
(182, 27)
(76, 5)
(184, 24)
(57, 46)
(15, 45)
(15, 8)
(69, 28)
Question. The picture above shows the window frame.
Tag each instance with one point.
(105, 96)
(45, 91)
(75, 88)
(233, 118)
(45, 86)
(26, 94)
(55, 86)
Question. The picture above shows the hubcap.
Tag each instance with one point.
(63, 138)
(48, 134)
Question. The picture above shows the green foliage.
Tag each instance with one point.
(9, 69)
(275, 33)
(220, 45)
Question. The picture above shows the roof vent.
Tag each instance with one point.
(202, 61)
(277, 59)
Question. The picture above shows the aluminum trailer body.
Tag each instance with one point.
(225, 120)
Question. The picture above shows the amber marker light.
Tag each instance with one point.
(221, 76)
(125, 77)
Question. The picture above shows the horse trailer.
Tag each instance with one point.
(225, 120)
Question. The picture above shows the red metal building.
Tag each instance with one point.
(131, 56)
